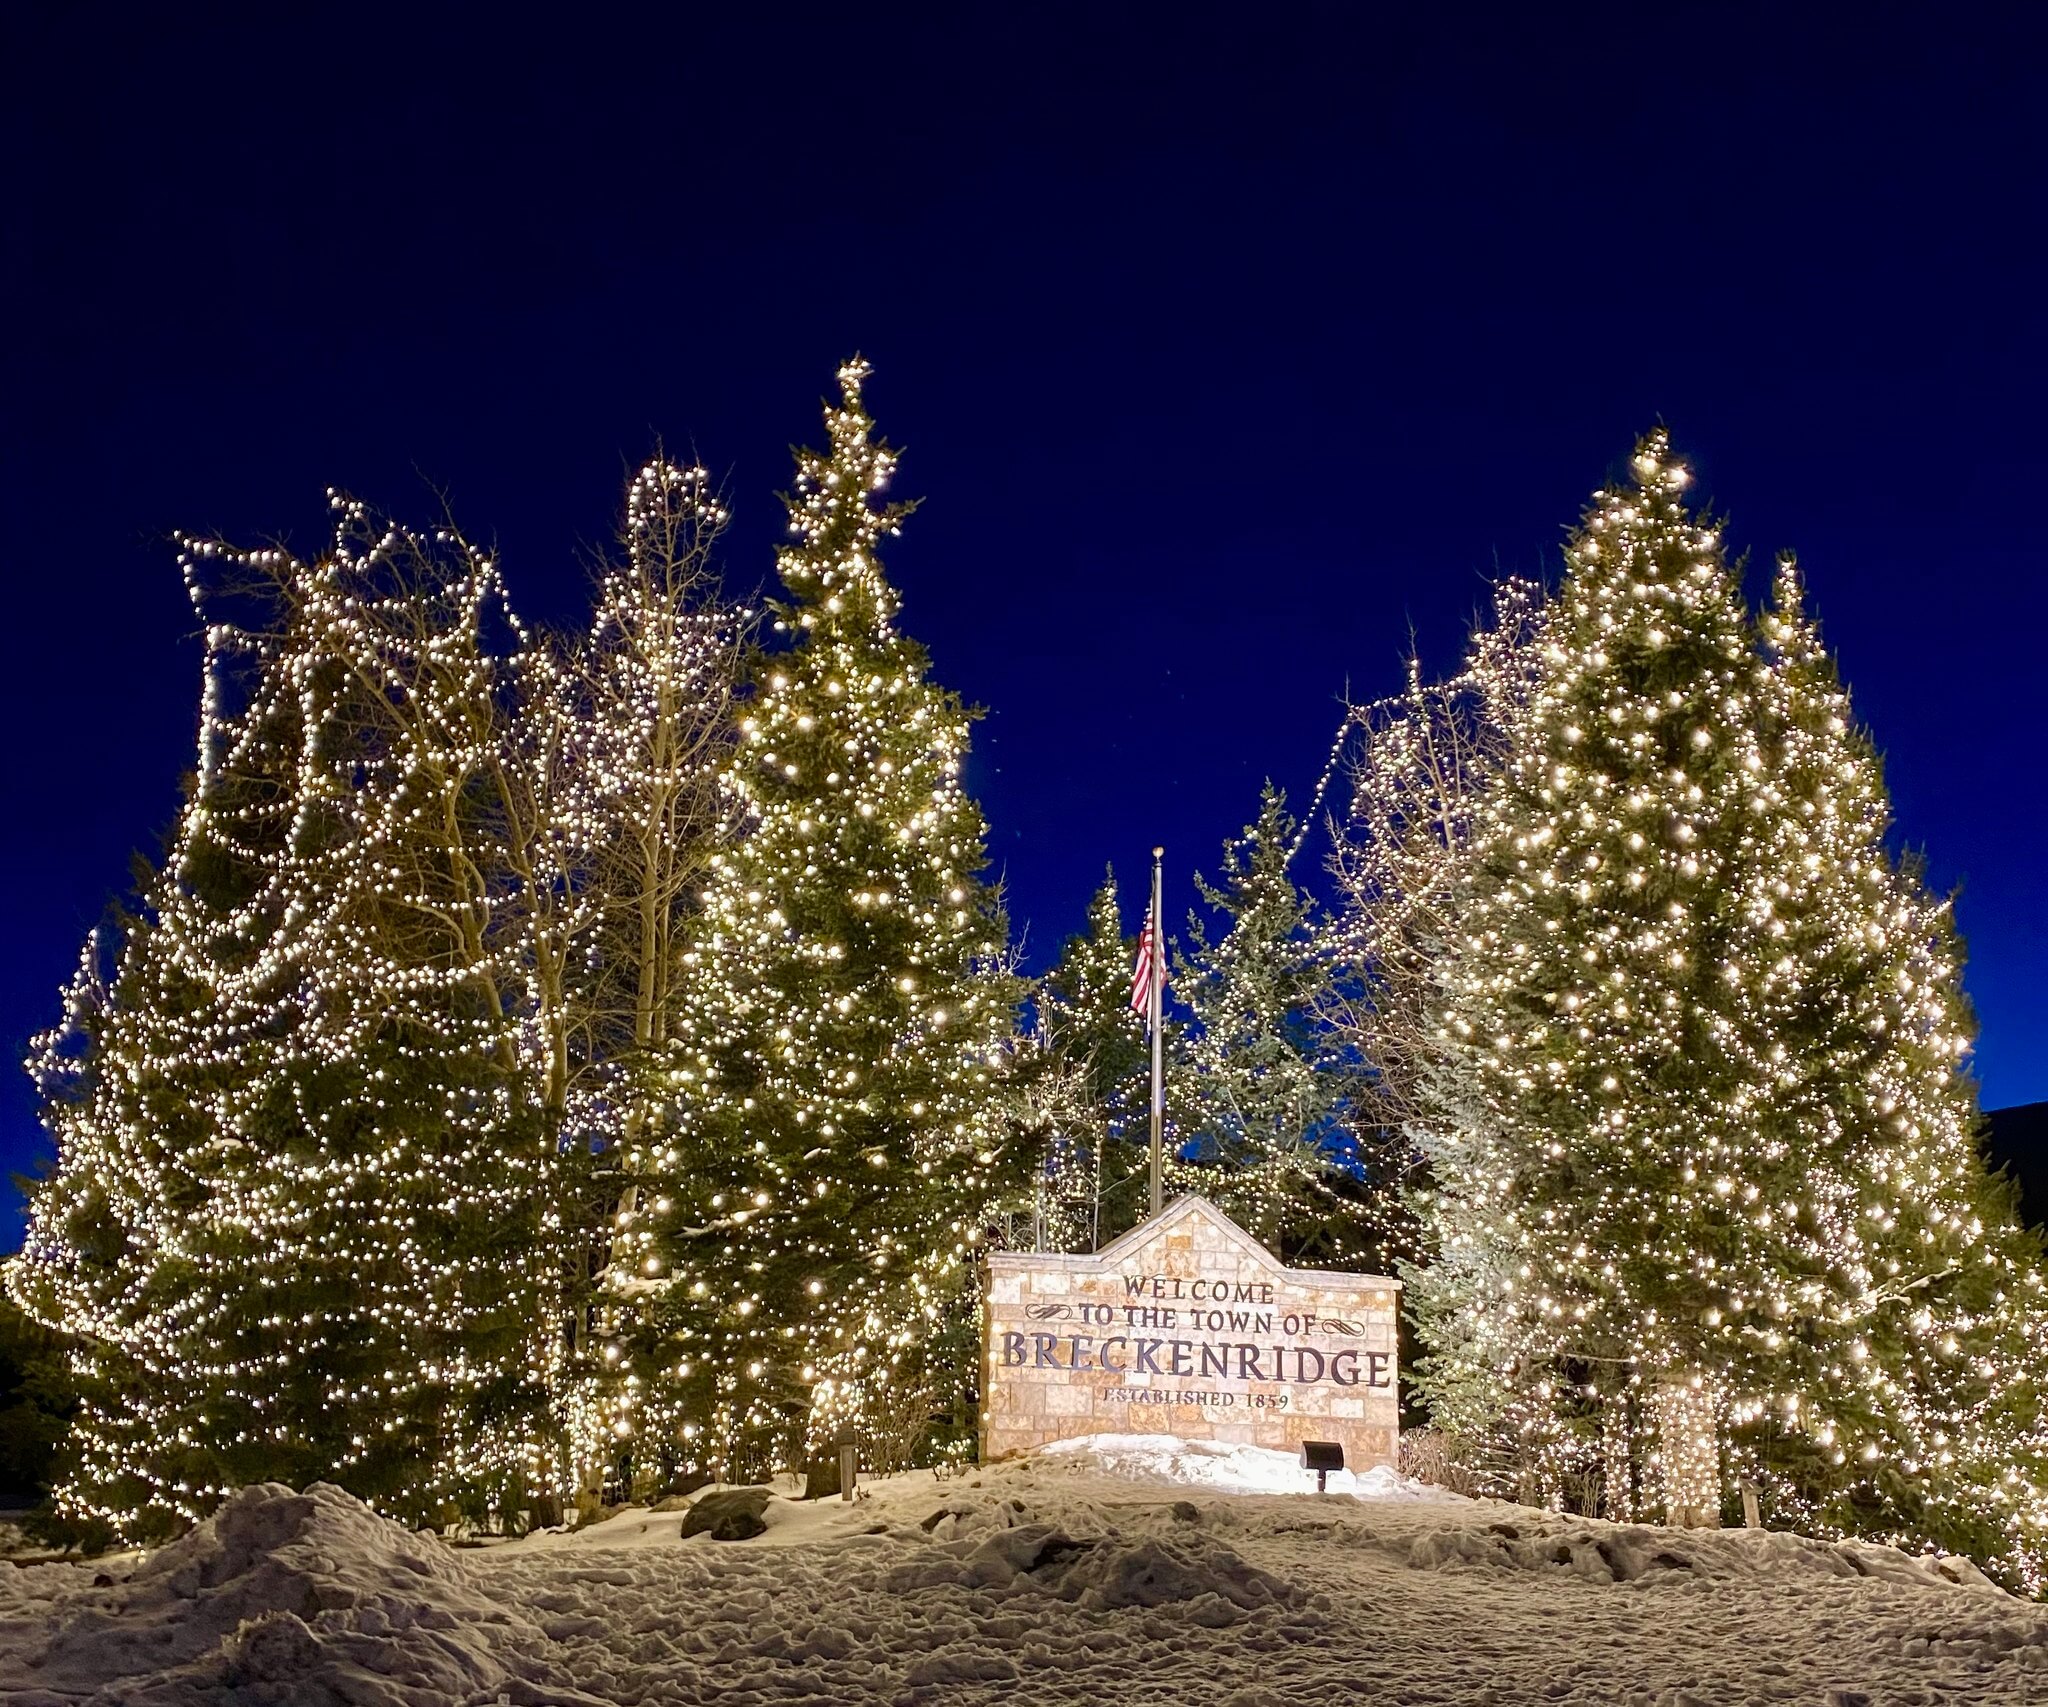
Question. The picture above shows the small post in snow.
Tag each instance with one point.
(849, 1459)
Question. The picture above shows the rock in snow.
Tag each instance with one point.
(729, 1514)
(1125, 1568)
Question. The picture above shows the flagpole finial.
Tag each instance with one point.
(1158, 853)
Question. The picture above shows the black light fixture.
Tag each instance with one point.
(1322, 1456)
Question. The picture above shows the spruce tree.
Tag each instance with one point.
(1707, 1201)
(811, 1200)
(299, 1219)
(1948, 1429)
(1271, 1095)
(1097, 1066)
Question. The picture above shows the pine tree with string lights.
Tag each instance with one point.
(1707, 1201)
(816, 1190)
(300, 1221)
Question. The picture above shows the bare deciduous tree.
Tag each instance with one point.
(1418, 761)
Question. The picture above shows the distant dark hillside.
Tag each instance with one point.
(2017, 1138)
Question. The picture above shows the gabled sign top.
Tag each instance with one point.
(1126, 1244)
(1180, 1210)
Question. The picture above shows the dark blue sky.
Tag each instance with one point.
(1225, 345)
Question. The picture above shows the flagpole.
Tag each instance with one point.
(1158, 1057)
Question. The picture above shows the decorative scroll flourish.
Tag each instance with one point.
(1348, 1330)
(1046, 1312)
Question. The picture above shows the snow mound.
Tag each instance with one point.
(279, 1597)
(1622, 1553)
(1224, 1467)
(1212, 1585)
(1211, 1582)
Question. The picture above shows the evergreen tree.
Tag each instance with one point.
(838, 1114)
(1705, 1177)
(298, 1223)
(1272, 1096)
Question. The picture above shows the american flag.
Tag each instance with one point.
(1150, 970)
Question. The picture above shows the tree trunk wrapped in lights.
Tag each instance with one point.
(1696, 1097)
(815, 1185)
(1688, 1451)
(1617, 1458)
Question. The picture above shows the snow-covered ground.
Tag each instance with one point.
(1131, 1569)
(1225, 1468)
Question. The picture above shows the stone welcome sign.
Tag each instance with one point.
(1188, 1326)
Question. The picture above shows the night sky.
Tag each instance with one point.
(1227, 348)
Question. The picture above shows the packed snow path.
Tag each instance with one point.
(1124, 1571)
